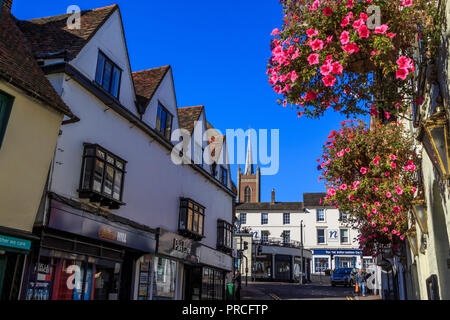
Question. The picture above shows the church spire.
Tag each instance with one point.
(249, 160)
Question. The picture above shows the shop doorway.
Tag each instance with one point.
(192, 283)
(283, 268)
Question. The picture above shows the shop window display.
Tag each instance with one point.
(165, 271)
(213, 284)
(73, 277)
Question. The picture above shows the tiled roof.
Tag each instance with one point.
(18, 66)
(146, 83)
(187, 117)
(269, 206)
(313, 199)
(51, 35)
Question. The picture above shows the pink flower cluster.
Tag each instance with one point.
(406, 65)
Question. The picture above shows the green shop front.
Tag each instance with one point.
(14, 249)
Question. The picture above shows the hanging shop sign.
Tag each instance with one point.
(14, 243)
(75, 221)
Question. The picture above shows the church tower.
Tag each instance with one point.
(249, 182)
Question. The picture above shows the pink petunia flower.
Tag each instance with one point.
(345, 38)
(350, 48)
(329, 80)
(313, 59)
(402, 74)
(337, 68)
(327, 11)
(317, 44)
(312, 33)
(275, 32)
(381, 29)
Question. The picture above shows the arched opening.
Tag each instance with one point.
(247, 194)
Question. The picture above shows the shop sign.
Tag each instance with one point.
(14, 243)
(108, 233)
(214, 258)
(338, 252)
(75, 221)
(333, 236)
(176, 246)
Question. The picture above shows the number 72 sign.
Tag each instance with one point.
(333, 235)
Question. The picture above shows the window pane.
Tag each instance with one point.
(162, 127)
(88, 172)
(109, 178)
(98, 175)
(158, 119)
(110, 160)
(168, 127)
(200, 224)
(190, 219)
(117, 185)
(183, 219)
(115, 82)
(195, 227)
(100, 66)
(100, 154)
(107, 73)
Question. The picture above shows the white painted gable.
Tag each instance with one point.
(111, 41)
(165, 94)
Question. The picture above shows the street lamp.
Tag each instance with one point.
(435, 138)
(412, 239)
(301, 249)
(420, 213)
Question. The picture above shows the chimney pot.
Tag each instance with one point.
(273, 195)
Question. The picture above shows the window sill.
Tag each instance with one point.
(96, 197)
(191, 235)
(110, 95)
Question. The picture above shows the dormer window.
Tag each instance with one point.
(108, 75)
(164, 122)
(102, 177)
(224, 176)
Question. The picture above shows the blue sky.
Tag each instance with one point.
(218, 51)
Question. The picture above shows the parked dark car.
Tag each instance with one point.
(344, 276)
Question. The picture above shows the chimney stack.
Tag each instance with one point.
(273, 195)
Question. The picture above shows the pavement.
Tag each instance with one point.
(294, 291)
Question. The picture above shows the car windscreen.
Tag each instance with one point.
(343, 271)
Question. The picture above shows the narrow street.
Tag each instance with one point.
(294, 291)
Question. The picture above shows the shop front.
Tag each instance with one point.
(214, 266)
(182, 269)
(335, 259)
(13, 253)
(160, 275)
(82, 256)
(278, 263)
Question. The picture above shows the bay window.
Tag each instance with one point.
(224, 236)
(102, 176)
(191, 221)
